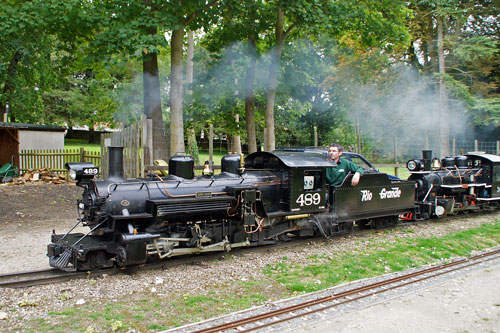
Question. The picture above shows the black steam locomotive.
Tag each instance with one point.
(269, 198)
(463, 183)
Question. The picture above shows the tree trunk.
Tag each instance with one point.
(237, 139)
(8, 84)
(444, 126)
(176, 93)
(273, 80)
(189, 61)
(192, 145)
(250, 98)
(152, 104)
(414, 62)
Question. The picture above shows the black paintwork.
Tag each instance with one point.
(275, 195)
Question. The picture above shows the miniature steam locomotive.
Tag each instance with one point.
(269, 198)
(463, 183)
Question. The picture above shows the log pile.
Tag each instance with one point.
(40, 175)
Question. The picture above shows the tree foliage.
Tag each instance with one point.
(329, 65)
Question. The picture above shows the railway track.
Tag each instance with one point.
(46, 276)
(52, 275)
(255, 320)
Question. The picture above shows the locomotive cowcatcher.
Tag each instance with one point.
(270, 198)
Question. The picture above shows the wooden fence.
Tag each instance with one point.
(132, 140)
(55, 159)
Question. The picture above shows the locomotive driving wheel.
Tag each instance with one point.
(97, 260)
(121, 255)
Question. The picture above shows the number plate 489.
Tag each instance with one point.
(308, 199)
(90, 171)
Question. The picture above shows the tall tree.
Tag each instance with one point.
(444, 133)
(243, 21)
(37, 43)
(193, 15)
(138, 30)
(372, 22)
(447, 35)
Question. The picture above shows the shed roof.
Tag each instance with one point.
(32, 127)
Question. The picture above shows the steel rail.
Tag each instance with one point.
(45, 276)
(440, 269)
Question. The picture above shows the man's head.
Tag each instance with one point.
(335, 151)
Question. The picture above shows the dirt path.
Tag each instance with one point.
(28, 214)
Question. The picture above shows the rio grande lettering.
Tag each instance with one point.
(366, 195)
(395, 192)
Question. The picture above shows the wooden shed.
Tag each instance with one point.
(15, 137)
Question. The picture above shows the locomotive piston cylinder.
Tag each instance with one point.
(127, 238)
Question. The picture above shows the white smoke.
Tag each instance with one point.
(407, 110)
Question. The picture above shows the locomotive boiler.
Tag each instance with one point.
(454, 184)
(271, 197)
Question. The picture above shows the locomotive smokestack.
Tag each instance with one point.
(427, 156)
(115, 162)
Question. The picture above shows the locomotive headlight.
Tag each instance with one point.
(411, 165)
(82, 172)
(415, 165)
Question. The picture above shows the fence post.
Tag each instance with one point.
(395, 150)
(498, 148)
(476, 145)
(211, 143)
(315, 136)
(359, 139)
(147, 140)
(454, 147)
(265, 139)
(82, 154)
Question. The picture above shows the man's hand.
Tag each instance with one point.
(355, 179)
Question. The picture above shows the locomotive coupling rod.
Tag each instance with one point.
(295, 217)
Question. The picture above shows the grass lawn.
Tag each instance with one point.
(78, 143)
(217, 157)
(402, 172)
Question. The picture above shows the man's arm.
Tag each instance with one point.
(358, 172)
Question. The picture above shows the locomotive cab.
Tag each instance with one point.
(488, 177)
(303, 181)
